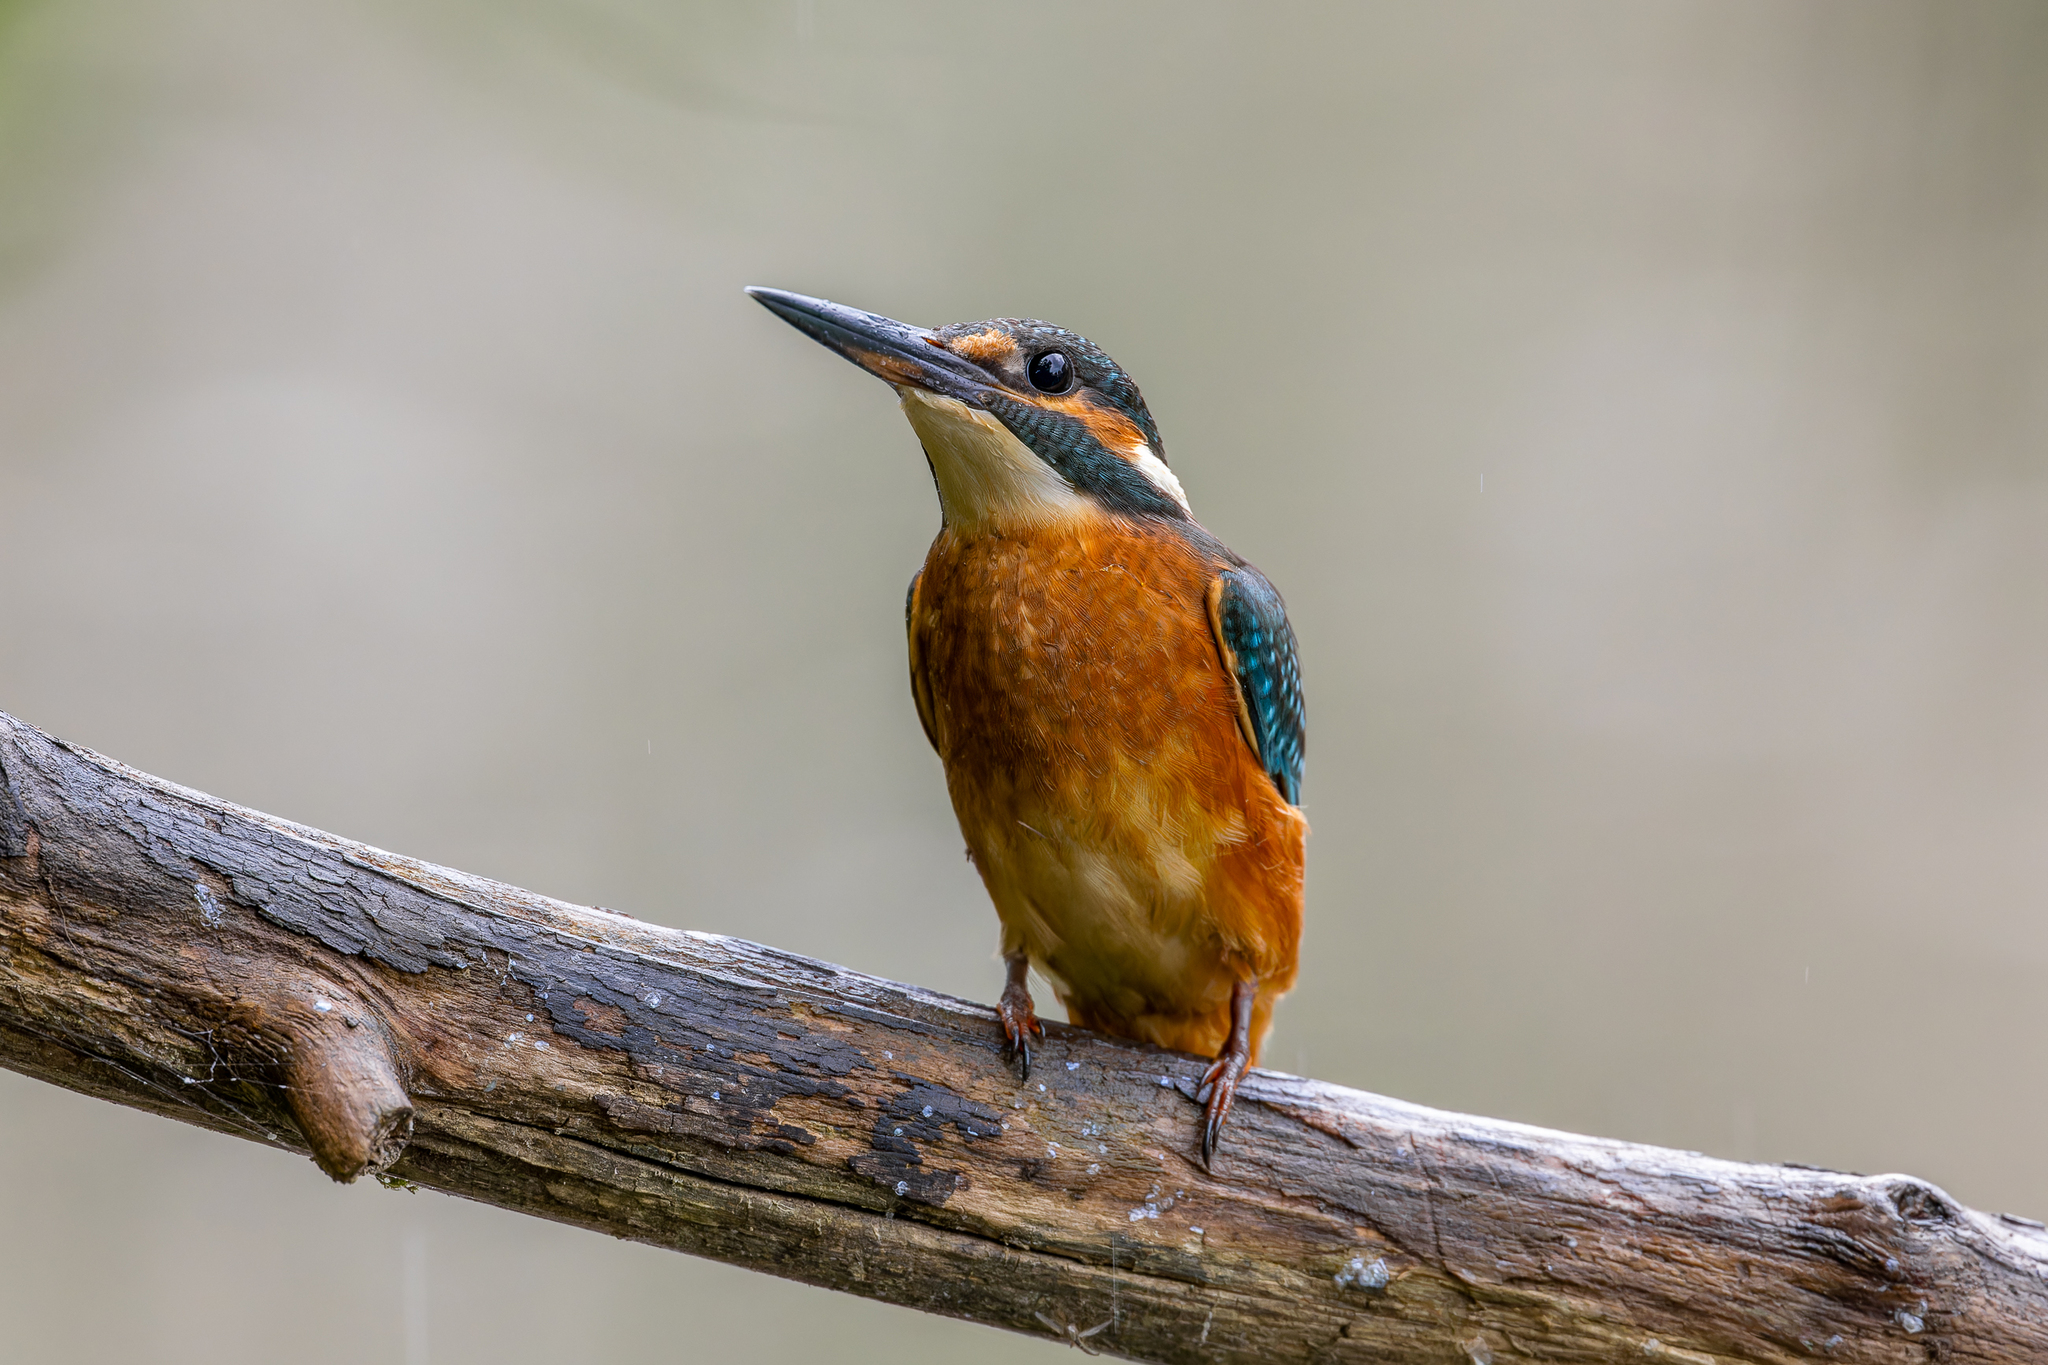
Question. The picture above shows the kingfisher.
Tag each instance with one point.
(1114, 694)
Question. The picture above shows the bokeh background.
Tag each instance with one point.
(1642, 407)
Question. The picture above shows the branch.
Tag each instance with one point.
(165, 950)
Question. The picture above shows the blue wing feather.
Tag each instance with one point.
(1257, 643)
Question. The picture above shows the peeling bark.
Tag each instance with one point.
(175, 953)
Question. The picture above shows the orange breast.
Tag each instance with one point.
(1132, 843)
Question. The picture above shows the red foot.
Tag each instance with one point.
(1020, 1023)
(1221, 1079)
(1221, 1082)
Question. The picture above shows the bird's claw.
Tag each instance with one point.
(1220, 1081)
(1020, 1025)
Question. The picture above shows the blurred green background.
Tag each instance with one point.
(1642, 407)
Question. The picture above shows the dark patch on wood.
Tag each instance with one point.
(920, 1114)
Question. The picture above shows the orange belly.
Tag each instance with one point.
(1133, 845)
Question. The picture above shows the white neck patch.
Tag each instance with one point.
(986, 476)
(1162, 477)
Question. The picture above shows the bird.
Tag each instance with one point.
(1115, 695)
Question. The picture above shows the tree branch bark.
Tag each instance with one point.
(168, 951)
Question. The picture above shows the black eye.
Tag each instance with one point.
(1051, 373)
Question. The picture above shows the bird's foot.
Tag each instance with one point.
(1020, 1025)
(1220, 1081)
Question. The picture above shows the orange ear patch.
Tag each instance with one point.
(989, 348)
(1105, 423)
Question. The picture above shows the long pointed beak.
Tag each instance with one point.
(894, 352)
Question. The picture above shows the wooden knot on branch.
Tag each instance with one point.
(341, 1079)
(330, 1055)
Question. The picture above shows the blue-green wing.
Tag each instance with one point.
(1257, 648)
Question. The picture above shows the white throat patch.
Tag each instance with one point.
(986, 476)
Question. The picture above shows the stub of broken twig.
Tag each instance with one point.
(170, 951)
(340, 1080)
